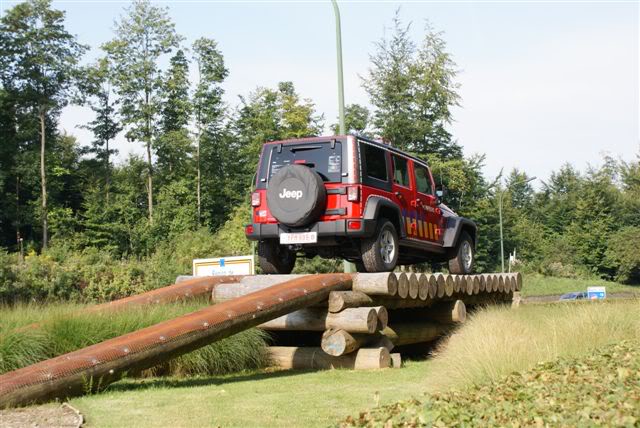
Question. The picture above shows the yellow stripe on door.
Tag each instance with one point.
(420, 228)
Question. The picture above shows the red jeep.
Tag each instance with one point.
(350, 197)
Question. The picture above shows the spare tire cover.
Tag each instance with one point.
(296, 195)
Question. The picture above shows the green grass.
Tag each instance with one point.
(538, 285)
(602, 389)
(63, 329)
(492, 344)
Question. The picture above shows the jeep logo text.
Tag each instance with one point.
(290, 194)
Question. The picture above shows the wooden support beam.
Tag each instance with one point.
(396, 360)
(315, 358)
(339, 342)
(414, 332)
(403, 285)
(340, 300)
(377, 284)
(441, 284)
(423, 287)
(414, 286)
(447, 312)
(355, 320)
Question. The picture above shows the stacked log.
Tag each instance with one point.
(362, 325)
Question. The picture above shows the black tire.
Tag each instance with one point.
(371, 248)
(458, 262)
(360, 267)
(296, 195)
(275, 258)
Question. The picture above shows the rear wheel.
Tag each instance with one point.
(462, 260)
(380, 252)
(275, 258)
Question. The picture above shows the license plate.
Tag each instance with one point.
(299, 238)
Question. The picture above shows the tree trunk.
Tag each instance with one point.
(107, 179)
(149, 162)
(198, 177)
(43, 181)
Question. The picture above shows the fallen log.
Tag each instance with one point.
(355, 320)
(377, 284)
(316, 358)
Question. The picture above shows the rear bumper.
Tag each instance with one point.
(324, 229)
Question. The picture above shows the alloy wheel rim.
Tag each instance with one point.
(467, 256)
(387, 246)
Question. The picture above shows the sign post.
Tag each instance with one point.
(236, 265)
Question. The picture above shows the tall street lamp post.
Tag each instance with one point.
(347, 267)
(500, 218)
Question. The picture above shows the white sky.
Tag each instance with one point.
(543, 83)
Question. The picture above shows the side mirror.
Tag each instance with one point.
(441, 192)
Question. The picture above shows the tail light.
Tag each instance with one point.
(353, 194)
(248, 229)
(255, 199)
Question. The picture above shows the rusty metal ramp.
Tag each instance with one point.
(98, 365)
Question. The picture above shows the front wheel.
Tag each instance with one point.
(275, 258)
(380, 252)
(461, 262)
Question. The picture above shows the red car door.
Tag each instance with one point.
(430, 225)
(404, 194)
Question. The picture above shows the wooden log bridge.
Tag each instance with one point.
(354, 320)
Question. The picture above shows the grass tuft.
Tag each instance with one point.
(499, 340)
(63, 329)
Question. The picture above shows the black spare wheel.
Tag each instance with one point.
(296, 195)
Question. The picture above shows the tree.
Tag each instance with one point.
(356, 120)
(269, 115)
(142, 37)
(208, 108)
(413, 90)
(97, 91)
(38, 58)
(173, 145)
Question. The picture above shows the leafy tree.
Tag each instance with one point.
(269, 115)
(208, 110)
(38, 59)
(623, 255)
(98, 94)
(356, 120)
(143, 36)
(413, 90)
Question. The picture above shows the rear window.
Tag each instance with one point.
(321, 157)
(375, 161)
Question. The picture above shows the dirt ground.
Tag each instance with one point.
(47, 416)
